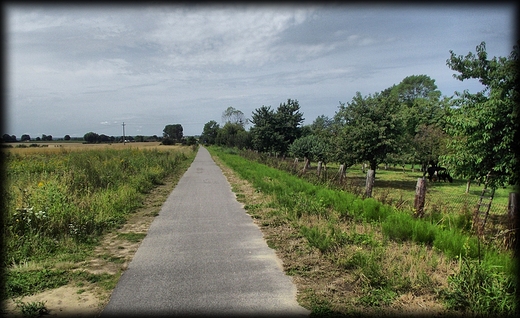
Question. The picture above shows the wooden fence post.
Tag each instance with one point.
(512, 213)
(319, 168)
(305, 165)
(295, 164)
(341, 173)
(369, 183)
(420, 196)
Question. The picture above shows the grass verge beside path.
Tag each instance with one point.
(350, 256)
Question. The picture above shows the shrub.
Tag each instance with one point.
(168, 141)
(357, 208)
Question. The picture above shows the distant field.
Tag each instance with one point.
(56, 146)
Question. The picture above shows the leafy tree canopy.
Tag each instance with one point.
(209, 133)
(173, 132)
(369, 129)
(311, 147)
(484, 125)
(276, 131)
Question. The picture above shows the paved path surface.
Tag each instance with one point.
(203, 255)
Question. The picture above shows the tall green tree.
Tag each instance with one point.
(232, 135)
(173, 132)
(288, 124)
(91, 137)
(276, 131)
(209, 133)
(421, 106)
(369, 129)
(429, 143)
(484, 125)
(263, 133)
(322, 126)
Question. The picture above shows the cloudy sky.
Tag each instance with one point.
(73, 69)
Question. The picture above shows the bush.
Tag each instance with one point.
(374, 210)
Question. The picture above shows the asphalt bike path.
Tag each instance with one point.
(203, 255)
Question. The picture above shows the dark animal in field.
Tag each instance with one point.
(437, 174)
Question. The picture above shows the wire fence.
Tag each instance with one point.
(396, 186)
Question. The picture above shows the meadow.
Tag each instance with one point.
(353, 255)
(61, 198)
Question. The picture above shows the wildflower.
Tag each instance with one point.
(40, 184)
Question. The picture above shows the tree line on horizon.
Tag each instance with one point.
(172, 134)
(471, 133)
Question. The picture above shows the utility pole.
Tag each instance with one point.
(124, 138)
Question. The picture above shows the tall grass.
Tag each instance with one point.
(56, 200)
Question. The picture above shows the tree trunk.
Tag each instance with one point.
(373, 166)
(468, 185)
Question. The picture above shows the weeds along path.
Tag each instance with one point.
(203, 255)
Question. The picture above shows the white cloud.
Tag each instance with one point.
(167, 64)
